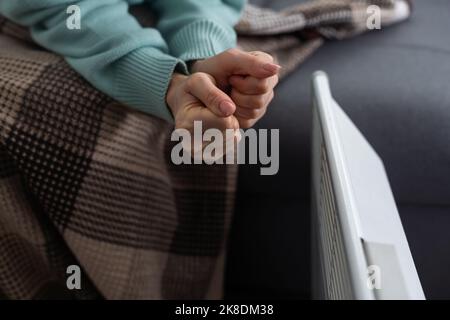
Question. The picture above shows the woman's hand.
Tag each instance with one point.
(251, 76)
(197, 98)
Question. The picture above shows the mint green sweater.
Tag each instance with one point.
(119, 57)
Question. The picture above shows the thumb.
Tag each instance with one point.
(203, 87)
(251, 64)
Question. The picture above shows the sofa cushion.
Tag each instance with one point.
(427, 231)
(395, 86)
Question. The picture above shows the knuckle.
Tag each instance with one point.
(231, 53)
(264, 55)
(190, 83)
(268, 56)
(199, 77)
(195, 80)
(258, 113)
(259, 102)
(253, 113)
(245, 123)
(263, 86)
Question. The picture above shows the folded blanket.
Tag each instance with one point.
(86, 181)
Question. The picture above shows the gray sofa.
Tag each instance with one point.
(395, 85)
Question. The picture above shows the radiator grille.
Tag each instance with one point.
(335, 279)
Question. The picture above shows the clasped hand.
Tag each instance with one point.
(228, 91)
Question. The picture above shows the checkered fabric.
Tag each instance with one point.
(86, 181)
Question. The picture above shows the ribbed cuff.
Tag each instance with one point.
(142, 78)
(202, 39)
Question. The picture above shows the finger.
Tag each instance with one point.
(252, 85)
(262, 54)
(207, 118)
(244, 63)
(203, 87)
(246, 123)
(211, 121)
(251, 101)
(249, 114)
(229, 140)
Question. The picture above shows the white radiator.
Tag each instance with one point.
(359, 248)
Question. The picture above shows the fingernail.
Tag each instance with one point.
(226, 107)
(271, 67)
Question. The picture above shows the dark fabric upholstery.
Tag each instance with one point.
(401, 103)
(427, 229)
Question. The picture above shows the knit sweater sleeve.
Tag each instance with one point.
(197, 29)
(110, 50)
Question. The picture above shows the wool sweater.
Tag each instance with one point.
(118, 56)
